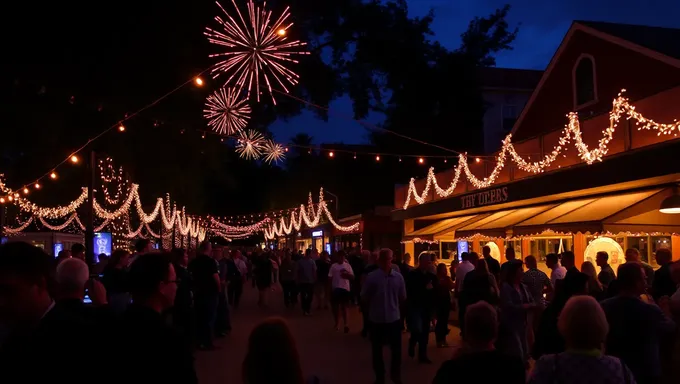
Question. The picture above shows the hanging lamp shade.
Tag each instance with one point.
(670, 205)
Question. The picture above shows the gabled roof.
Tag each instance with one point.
(662, 40)
(509, 78)
(654, 42)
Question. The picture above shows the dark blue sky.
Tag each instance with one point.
(542, 25)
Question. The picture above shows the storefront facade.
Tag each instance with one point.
(609, 205)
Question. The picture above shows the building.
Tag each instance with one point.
(505, 92)
(610, 205)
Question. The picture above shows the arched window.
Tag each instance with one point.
(584, 78)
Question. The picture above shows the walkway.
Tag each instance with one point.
(335, 358)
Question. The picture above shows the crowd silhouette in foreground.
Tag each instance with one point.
(139, 317)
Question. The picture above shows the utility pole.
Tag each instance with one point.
(89, 226)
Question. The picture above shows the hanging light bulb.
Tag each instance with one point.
(199, 81)
(37, 185)
(421, 160)
(2, 200)
(75, 159)
(477, 159)
(377, 158)
(331, 154)
(121, 128)
(25, 191)
(53, 175)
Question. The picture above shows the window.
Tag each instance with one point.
(584, 81)
(510, 114)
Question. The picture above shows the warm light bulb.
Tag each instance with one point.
(377, 158)
(478, 159)
(74, 159)
(37, 185)
(331, 154)
(53, 175)
(121, 128)
(421, 160)
(446, 161)
(281, 32)
(2, 200)
(10, 198)
(355, 156)
(198, 81)
(25, 191)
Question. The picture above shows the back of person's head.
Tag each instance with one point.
(481, 320)
(530, 261)
(77, 250)
(583, 323)
(465, 256)
(340, 256)
(510, 253)
(473, 257)
(308, 253)
(663, 256)
(179, 256)
(568, 259)
(25, 282)
(486, 251)
(118, 257)
(149, 275)
(71, 277)
(515, 268)
(205, 247)
(632, 255)
(631, 278)
(407, 258)
(142, 245)
(385, 256)
(482, 268)
(272, 355)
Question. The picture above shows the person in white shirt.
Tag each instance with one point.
(558, 271)
(463, 268)
(340, 273)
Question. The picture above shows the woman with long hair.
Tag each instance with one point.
(480, 285)
(595, 288)
(516, 302)
(272, 356)
(443, 305)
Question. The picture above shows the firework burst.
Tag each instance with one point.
(273, 152)
(257, 50)
(250, 144)
(226, 113)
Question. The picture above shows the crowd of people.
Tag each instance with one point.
(575, 326)
(579, 326)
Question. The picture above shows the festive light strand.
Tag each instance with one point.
(621, 107)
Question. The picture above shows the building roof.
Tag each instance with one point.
(659, 39)
(509, 78)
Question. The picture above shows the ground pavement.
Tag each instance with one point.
(336, 358)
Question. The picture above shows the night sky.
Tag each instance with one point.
(542, 25)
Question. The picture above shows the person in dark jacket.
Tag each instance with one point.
(154, 352)
(421, 287)
(182, 312)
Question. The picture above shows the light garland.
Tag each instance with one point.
(310, 216)
(621, 107)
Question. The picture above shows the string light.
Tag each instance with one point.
(198, 81)
(74, 159)
(121, 128)
(53, 175)
(26, 191)
(37, 185)
(331, 154)
(621, 107)
(421, 160)
(377, 158)
(256, 51)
